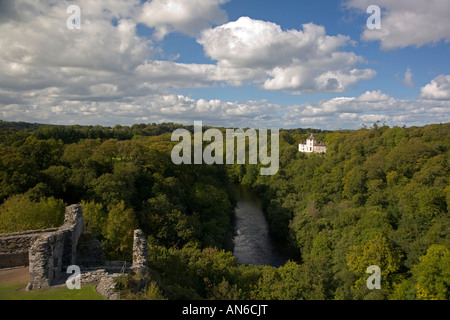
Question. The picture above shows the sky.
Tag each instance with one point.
(228, 63)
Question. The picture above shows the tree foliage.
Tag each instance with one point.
(380, 196)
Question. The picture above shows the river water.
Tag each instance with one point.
(253, 243)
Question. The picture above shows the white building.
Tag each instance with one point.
(313, 146)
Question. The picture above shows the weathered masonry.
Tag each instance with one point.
(46, 252)
(140, 252)
(14, 247)
(49, 252)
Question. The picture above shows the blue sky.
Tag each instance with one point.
(425, 62)
(259, 63)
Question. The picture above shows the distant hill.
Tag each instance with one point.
(75, 133)
(20, 125)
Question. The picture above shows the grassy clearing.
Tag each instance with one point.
(17, 292)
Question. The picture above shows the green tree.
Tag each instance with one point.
(17, 173)
(107, 189)
(224, 291)
(432, 274)
(79, 155)
(20, 213)
(44, 153)
(174, 229)
(355, 186)
(94, 217)
(119, 229)
(380, 252)
(56, 178)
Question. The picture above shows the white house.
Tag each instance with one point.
(313, 146)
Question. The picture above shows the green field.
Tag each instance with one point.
(17, 292)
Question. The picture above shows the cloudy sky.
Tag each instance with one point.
(236, 63)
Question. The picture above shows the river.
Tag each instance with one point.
(253, 243)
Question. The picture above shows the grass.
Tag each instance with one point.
(17, 292)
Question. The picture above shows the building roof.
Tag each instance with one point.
(312, 138)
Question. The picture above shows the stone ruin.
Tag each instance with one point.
(140, 252)
(49, 252)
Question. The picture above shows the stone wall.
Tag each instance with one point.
(14, 247)
(47, 252)
(140, 252)
(72, 229)
(45, 256)
(107, 286)
(50, 252)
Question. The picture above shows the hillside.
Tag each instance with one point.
(380, 196)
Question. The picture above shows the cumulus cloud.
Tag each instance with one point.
(335, 113)
(438, 89)
(43, 53)
(352, 113)
(408, 78)
(106, 74)
(374, 96)
(370, 101)
(408, 22)
(104, 60)
(310, 61)
(373, 106)
(184, 16)
(148, 109)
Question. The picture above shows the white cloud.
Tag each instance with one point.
(38, 51)
(173, 75)
(103, 60)
(373, 96)
(184, 16)
(374, 101)
(339, 112)
(408, 22)
(370, 107)
(150, 108)
(408, 78)
(304, 61)
(106, 74)
(107, 61)
(438, 89)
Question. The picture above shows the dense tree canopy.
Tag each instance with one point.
(380, 196)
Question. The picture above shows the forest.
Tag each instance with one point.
(380, 196)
